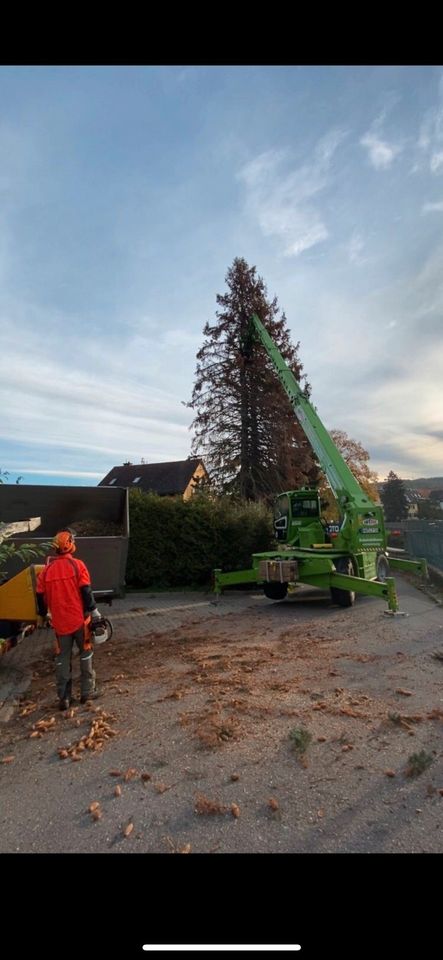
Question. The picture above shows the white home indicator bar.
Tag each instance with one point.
(268, 947)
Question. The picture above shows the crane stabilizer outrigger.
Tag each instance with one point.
(348, 558)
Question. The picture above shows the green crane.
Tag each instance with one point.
(349, 557)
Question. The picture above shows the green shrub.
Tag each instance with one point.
(175, 543)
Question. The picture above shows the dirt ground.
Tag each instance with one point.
(248, 727)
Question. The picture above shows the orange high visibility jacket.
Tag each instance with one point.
(60, 583)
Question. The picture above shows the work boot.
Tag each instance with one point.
(90, 696)
(64, 704)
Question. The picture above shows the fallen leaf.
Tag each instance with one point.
(96, 814)
(273, 803)
(235, 776)
(235, 809)
(405, 693)
(115, 773)
(93, 806)
(186, 849)
(389, 773)
(145, 776)
(8, 759)
(118, 791)
(128, 829)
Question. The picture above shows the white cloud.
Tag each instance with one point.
(355, 247)
(391, 401)
(436, 162)
(433, 207)
(282, 199)
(381, 153)
(430, 137)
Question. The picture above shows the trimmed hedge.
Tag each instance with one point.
(175, 543)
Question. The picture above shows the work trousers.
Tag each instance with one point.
(63, 664)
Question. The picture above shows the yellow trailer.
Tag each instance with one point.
(18, 601)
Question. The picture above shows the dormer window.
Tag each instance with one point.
(136, 480)
(112, 481)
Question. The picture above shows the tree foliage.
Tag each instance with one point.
(393, 497)
(245, 428)
(357, 459)
(26, 552)
(4, 477)
(429, 510)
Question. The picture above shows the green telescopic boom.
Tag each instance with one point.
(345, 487)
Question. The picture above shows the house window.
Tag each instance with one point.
(136, 479)
(112, 481)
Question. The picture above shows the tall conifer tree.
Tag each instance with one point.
(245, 428)
(393, 498)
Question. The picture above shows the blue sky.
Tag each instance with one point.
(126, 193)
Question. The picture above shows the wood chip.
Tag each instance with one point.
(128, 829)
(130, 774)
(235, 809)
(118, 791)
(161, 787)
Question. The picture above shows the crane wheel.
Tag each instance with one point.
(344, 598)
(275, 591)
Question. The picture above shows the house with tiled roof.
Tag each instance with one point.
(168, 479)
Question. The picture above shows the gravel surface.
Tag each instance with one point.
(247, 726)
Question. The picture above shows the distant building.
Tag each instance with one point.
(436, 496)
(169, 479)
(413, 498)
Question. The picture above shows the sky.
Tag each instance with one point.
(127, 192)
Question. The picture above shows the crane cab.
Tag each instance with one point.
(297, 518)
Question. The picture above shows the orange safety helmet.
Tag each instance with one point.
(64, 541)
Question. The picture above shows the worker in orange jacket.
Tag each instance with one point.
(64, 592)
